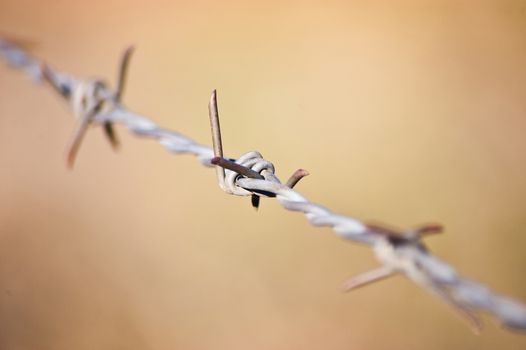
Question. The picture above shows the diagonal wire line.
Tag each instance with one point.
(399, 252)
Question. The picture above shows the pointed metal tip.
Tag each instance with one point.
(255, 201)
(367, 277)
(123, 70)
(213, 97)
(350, 285)
(70, 160)
(129, 49)
(109, 131)
(424, 230)
(126, 55)
(296, 177)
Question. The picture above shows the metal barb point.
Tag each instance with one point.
(425, 230)
(122, 74)
(86, 114)
(296, 177)
(111, 135)
(409, 234)
(216, 134)
(214, 125)
(367, 277)
(74, 145)
(218, 159)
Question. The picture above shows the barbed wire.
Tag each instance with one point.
(399, 252)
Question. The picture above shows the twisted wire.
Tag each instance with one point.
(398, 252)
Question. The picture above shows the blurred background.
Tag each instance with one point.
(404, 112)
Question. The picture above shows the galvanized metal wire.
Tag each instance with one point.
(93, 102)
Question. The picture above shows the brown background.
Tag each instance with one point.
(404, 112)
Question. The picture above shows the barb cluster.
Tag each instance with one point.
(399, 252)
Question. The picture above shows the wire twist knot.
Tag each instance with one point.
(254, 161)
(88, 97)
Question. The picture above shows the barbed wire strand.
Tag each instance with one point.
(399, 252)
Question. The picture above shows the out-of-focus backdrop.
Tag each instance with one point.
(403, 112)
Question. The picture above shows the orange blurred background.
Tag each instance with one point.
(403, 112)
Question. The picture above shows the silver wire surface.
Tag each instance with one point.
(402, 253)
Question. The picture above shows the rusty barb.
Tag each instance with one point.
(399, 252)
(87, 99)
(413, 234)
(396, 238)
(250, 165)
